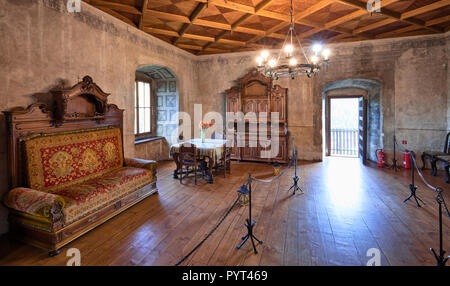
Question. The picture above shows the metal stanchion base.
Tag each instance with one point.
(413, 195)
(394, 166)
(295, 185)
(440, 259)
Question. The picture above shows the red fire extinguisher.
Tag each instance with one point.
(406, 160)
(380, 157)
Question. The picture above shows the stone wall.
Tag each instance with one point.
(413, 73)
(42, 45)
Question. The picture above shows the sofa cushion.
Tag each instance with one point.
(56, 161)
(87, 197)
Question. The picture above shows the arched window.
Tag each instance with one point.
(156, 103)
(145, 115)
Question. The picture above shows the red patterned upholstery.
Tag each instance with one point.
(56, 161)
(81, 171)
(31, 201)
(89, 196)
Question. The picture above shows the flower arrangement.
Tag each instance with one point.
(203, 126)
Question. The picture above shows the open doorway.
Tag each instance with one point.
(346, 126)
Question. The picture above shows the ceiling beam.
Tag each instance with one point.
(438, 21)
(354, 15)
(274, 15)
(239, 21)
(191, 36)
(345, 18)
(398, 31)
(200, 48)
(117, 15)
(310, 10)
(194, 15)
(389, 13)
(141, 19)
(115, 6)
(206, 23)
(374, 25)
(425, 9)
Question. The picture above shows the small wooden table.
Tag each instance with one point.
(211, 150)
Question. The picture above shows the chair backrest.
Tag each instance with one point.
(226, 153)
(188, 154)
(217, 136)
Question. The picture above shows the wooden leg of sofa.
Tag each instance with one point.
(54, 252)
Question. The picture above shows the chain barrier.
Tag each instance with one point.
(210, 233)
(438, 190)
(231, 208)
(277, 176)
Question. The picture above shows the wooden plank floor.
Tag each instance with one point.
(346, 209)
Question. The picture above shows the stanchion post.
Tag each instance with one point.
(295, 177)
(440, 259)
(250, 223)
(394, 161)
(412, 186)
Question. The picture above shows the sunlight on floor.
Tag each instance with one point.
(343, 182)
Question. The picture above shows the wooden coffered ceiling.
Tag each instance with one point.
(219, 26)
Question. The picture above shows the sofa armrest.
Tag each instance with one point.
(35, 202)
(141, 163)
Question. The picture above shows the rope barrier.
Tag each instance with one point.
(293, 159)
(438, 190)
(210, 233)
(276, 177)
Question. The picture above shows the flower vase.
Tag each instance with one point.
(203, 135)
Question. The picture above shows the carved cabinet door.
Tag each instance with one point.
(278, 102)
(233, 104)
(249, 105)
(263, 106)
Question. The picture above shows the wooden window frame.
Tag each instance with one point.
(153, 112)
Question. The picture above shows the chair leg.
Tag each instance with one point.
(423, 161)
(195, 174)
(447, 167)
(181, 174)
(224, 164)
(433, 166)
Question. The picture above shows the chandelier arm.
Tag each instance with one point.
(284, 43)
(303, 50)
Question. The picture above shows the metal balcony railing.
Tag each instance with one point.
(344, 142)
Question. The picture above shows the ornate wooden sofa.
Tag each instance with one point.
(66, 167)
(433, 156)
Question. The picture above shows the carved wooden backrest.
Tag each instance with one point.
(82, 106)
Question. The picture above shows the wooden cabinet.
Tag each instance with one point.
(256, 94)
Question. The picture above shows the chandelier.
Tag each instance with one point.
(288, 65)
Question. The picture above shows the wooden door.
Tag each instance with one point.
(362, 137)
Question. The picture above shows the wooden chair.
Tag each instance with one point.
(432, 156)
(188, 158)
(225, 161)
(445, 159)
